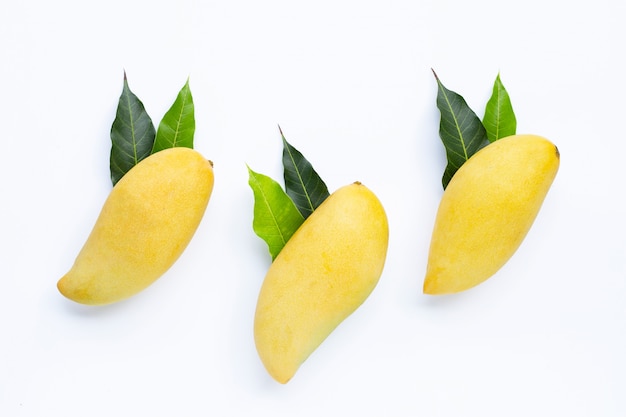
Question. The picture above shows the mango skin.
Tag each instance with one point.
(487, 210)
(145, 224)
(322, 275)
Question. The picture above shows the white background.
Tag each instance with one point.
(350, 83)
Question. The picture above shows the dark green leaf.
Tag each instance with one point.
(461, 131)
(178, 125)
(276, 218)
(499, 119)
(132, 134)
(302, 183)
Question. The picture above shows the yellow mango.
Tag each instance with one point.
(323, 274)
(145, 224)
(486, 211)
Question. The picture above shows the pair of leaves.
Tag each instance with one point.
(279, 213)
(133, 136)
(463, 133)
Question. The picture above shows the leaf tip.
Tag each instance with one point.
(283, 138)
(251, 172)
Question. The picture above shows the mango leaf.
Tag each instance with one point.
(302, 183)
(461, 131)
(276, 217)
(178, 124)
(132, 134)
(499, 119)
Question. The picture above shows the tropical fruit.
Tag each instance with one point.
(487, 210)
(145, 224)
(323, 274)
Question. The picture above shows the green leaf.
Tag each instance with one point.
(276, 218)
(132, 134)
(178, 125)
(302, 183)
(499, 119)
(461, 131)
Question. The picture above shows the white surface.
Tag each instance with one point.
(350, 83)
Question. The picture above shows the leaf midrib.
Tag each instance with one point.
(302, 184)
(179, 120)
(132, 124)
(269, 206)
(456, 122)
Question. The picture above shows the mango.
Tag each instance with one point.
(321, 276)
(487, 210)
(145, 224)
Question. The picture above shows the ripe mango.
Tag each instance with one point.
(145, 224)
(487, 210)
(322, 275)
